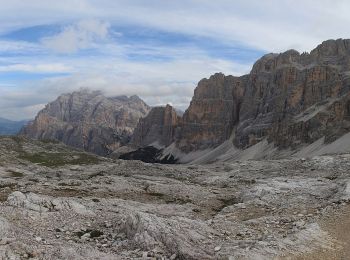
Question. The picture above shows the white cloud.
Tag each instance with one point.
(18, 46)
(36, 68)
(268, 25)
(85, 34)
(264, 25)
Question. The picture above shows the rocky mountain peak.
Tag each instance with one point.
(88, 120)
(135, 98)
(339, 47)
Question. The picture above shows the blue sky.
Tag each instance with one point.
(158, 49)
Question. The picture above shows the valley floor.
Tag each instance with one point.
(58, 203)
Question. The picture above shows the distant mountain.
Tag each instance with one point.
(89, 120)
(8, 127)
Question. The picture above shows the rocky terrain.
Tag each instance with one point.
(59, 203)
(88, 120)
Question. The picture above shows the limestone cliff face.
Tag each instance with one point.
(157, 128)
(213, 112)
(89, 120)
(288, 98)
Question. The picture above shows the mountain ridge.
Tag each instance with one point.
(11, 127)
(289, 100)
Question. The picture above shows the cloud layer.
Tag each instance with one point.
(83, 35)
(157, 49)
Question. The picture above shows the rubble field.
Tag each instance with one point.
(60, 203)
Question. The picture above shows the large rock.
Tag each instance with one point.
(41, 203)
(89, 120)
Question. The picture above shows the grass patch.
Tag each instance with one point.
(49, 141)
(59, 159)
(15, 174)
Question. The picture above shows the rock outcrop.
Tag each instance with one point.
(213, 112)
(88, 120)
(294, 98)
(288, 99)
(158, 128)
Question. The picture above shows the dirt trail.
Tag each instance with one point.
(338, 227)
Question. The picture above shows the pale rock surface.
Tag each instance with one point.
(99, 208)
(88, 120)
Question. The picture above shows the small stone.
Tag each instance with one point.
(6, 241)
(85, 237)
(33, 254)
(108, 225)
(38, 239)
(217, 249)
(96, 233)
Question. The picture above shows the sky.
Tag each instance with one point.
(157, 49)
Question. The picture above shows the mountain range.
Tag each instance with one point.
(9, 127)
(290, 104)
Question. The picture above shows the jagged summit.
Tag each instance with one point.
(332, 48)
(88, 120)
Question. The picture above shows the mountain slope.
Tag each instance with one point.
(88, 120)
